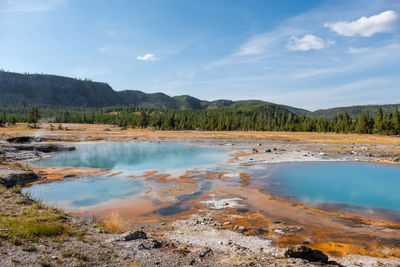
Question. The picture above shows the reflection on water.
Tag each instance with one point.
(137, 156)
(332, 183)
(72, 193)
(129, 157)
(360, 184)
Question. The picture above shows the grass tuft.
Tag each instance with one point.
(30, 229)
(30, 249)
(16, 189)
(32, 223)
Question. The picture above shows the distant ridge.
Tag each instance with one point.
(60, 91)
(53, 90)
(354, 111)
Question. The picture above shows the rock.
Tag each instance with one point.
(10, 178)
(306, 253)
(278, 231)
(142, 247)
(239, 227)
(255, 150)
(25, 139)
(268, 151)
(206, 252)
(45, 148)
(396, 160)
(29, 151)
(157, 244)
(133, 235)
(322, 154)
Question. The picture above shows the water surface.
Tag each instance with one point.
(128, 157)
(77, 193)
(361, 184)
(137, 156)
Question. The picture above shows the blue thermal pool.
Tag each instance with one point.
(355, 184)
(73, 194)
(137, 156)
(352, 183)
(127, 157)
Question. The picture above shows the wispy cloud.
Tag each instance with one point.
(147, 57)
(366, 27)
(256, 45)
(375, 90)
(26, 6)
(308, 42)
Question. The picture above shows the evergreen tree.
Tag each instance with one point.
(34, 116)
(143, 120)
(378, 125)
(395, 121)
(362, 124)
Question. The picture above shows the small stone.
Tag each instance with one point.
(278, 231)
(306, 253)
(157, 244)
(142, 247)
(206, 252)
(239, 227)
(128, 236)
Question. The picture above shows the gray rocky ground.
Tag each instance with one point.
(193, 242)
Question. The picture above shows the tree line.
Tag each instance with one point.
(258, 117)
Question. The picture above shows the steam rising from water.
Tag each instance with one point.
(137, 156)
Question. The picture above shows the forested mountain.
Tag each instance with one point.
(55, 90)
(59, 91)
(353, 111)
(56, 99)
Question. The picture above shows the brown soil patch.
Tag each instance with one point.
(92, 132)
(179, 189)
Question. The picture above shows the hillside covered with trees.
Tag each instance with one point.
(33, 97)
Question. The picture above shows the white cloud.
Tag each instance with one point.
(256, 45)
(383, 22)
(308, 42)
(147, 57)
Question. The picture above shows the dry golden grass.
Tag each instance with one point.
(90, 132)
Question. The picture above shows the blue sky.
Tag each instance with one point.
(309, 54)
